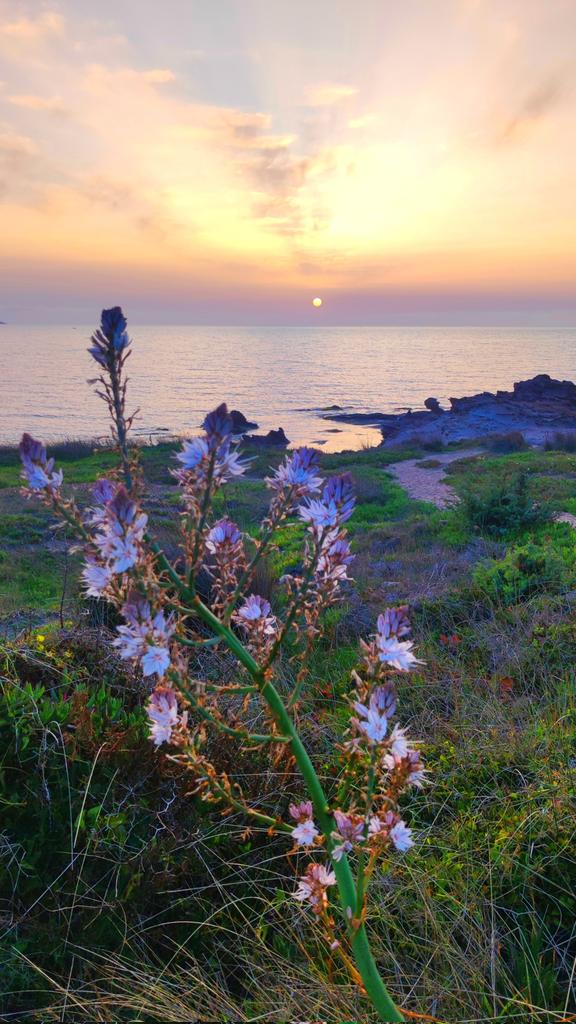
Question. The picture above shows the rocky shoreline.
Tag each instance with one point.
(536, 408)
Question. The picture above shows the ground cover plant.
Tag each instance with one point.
(129, 897)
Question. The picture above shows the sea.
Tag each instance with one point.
(277, 376)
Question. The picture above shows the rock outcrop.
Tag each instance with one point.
(240, 423)
(536, 408)
(273, 439)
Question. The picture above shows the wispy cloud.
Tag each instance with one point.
(327, 94)
(48, 104)
(49, 23)
(532, 109)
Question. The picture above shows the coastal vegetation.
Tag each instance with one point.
(126, 896)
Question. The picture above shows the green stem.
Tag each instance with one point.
(365, 962)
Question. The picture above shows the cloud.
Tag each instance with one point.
(533, 108)
(158, 76)
(365, 121)
(18, 155)
(32, 29)
(50, 104)
(327, 94)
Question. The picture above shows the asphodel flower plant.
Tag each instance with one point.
(348, 834)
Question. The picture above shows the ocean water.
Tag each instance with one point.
(277, 376)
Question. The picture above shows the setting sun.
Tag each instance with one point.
(317, 302)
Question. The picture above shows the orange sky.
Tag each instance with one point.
(227, 160)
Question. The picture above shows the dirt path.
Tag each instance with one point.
(429, 484)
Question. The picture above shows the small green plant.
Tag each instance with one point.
(525, 570)
(501, 505)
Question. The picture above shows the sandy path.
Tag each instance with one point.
(429, 484)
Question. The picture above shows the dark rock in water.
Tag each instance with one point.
(542, 388)
(273, 439)
(240, 423)
(433, 405)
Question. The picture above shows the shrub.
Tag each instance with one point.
(561, 441)
(524, 571)
(504, 444)
(500, 505)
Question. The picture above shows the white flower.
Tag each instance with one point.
(399, 745)
(298, 472)
(397, 653)
(305, 833)
(155, 660)
(96, 579)
(193, 452)
(255, 613)
(381, 706)
(401, 836)
(122, 553)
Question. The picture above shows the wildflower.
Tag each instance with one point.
(103, 492)
(122, 526)
(334, 559)
(218, 425)
(37, 467)
(155, 660)
(401, 836)
(334, 507)
(301, 811)
(212, 454)
(111, 339)
(255, 613)
(408, 767)
(224, 534)
(394, 622)
(298, 473)
(97, 578)
(145, 637)
(305, 833)
(350, 831)
(396, 653)
(374, 717)
(399, 745)
(313, 885)
(162, 710)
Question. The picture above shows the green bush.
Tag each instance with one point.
(525, 570)
(503, 444)
(497, 505)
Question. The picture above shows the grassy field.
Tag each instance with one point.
(125, 899)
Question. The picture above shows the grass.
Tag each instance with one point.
(125, 898)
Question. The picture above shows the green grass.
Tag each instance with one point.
(33, 581)
(24, 528)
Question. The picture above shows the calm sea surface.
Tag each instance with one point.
(276, 376)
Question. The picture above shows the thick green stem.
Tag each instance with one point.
(375, 988)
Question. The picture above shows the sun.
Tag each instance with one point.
(317, 302)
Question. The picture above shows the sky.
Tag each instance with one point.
(226, 161)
